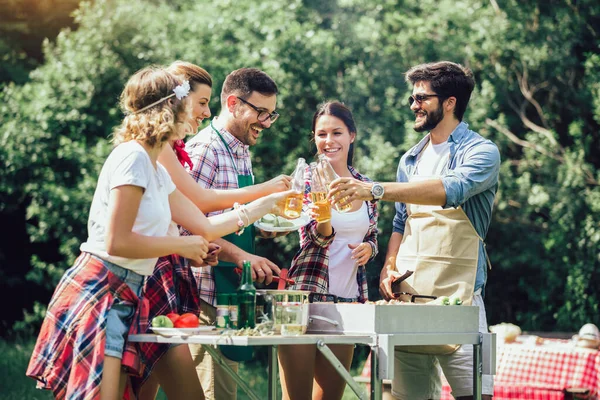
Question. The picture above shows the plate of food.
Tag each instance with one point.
(199, 330)
(274, 223)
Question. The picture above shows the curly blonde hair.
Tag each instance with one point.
(159, 123)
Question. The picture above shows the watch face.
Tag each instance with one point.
(377, 190)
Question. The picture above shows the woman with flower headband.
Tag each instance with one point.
(82, 349)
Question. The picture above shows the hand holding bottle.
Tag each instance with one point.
(318, 193)
(328, 175)
(293, 206)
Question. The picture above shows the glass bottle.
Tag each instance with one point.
(318, 194)
(246, 299)
(329, 175)
(222, 320)
(293, 204)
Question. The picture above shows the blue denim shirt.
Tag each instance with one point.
(471, 181)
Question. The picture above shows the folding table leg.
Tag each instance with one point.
(243, 385)
(273, 371)
(333, 360)
(376, 381)
(477, 370)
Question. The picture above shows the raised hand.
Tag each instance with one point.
(278, 184)
(344, 191)
(278, 201)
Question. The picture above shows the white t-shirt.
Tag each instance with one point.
(350, 228)
(130, 164)
(433, 159)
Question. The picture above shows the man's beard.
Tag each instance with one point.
(241, 130)
(432, 119)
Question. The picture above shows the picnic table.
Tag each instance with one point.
(553, 370)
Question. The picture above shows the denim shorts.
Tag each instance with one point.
(120, 315)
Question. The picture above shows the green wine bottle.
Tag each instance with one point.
(246, 297)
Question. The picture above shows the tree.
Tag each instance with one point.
(537, 97)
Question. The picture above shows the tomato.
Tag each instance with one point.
(161, 322)
(187, 320)
(173, 316)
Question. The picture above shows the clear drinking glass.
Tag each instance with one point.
(291, 324)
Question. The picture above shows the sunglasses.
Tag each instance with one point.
(263, 115)
(419, 98)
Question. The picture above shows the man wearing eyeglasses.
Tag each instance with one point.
(221, 160)
(445, 190)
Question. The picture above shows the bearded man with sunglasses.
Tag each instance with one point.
(221, 160)
(444, 194)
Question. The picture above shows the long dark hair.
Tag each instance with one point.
(339, 110)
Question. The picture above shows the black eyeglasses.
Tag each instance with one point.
(263, 115)
(419, 98)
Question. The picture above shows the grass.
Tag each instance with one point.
(14, 385)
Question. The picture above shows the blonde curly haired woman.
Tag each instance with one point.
(82, 349)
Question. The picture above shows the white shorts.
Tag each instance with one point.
(418, 376)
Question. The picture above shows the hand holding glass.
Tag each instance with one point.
(318, 193)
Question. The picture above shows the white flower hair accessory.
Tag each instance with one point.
(180, 92)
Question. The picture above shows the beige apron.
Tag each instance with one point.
(441, 247)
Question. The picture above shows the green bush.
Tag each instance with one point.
(537, 97)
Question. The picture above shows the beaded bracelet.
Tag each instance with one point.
(240, 210)
(244, 212)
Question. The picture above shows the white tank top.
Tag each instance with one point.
(350, 228)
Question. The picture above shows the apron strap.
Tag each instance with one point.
(226, 147)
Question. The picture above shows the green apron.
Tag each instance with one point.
(226, 280)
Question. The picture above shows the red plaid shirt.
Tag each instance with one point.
(310, 264)
(170, 289)
(213, 170)
(69, 354)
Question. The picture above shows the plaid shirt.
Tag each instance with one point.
(69, 354)
(213, 170)
(310, 264)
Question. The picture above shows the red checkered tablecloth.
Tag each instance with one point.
(543, 372)
(526, 371)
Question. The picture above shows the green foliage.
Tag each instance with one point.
(538, 97)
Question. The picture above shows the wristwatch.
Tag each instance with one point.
(377, 191)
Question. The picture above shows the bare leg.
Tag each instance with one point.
(296, 370)
(113, 381)
(149, 389)
(176, 374)
(329, 384)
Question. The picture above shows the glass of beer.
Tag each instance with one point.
(318, 194)
(293, 204)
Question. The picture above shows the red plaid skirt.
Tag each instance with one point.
(171, 288)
